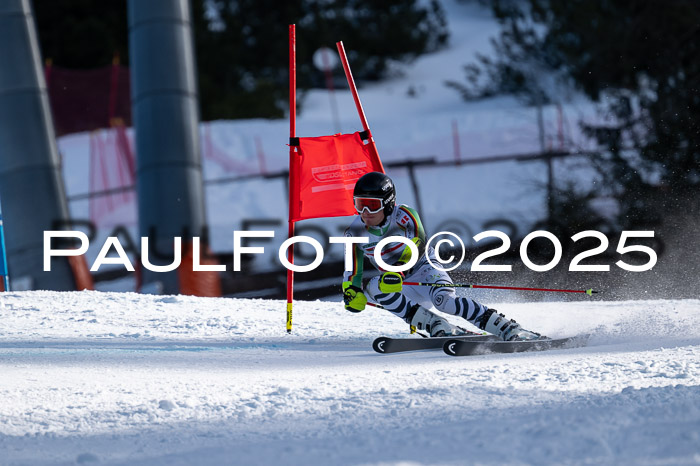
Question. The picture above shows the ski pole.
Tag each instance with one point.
(378, 306)
(589, 292)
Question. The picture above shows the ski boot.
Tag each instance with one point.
(504, 328)
(422, 319)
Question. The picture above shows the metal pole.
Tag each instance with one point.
(166, 119)
(31, 184)
(414, 185)
(550, 164)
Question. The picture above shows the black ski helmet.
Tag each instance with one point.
(377, 185)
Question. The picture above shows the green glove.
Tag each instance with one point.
(391, 282)
(355, 299)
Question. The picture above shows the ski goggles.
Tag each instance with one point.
(370, 204)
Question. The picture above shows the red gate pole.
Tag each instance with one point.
(292, 153)
(355, 95)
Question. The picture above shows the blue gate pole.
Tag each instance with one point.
(3, 261)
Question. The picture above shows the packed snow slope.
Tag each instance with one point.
(121, 378)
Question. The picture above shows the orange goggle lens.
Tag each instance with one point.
(371, 204)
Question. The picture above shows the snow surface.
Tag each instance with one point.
(122, 378)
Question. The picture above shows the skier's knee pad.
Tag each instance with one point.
(443, 300)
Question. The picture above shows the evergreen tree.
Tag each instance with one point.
(638, 59)
(82, 34)
(241, 46)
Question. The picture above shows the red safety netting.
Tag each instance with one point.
(85, 100)
(112, 178)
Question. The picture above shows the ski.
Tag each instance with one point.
(396, 345)
(458, 347)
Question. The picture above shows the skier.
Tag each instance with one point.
(379, 217)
